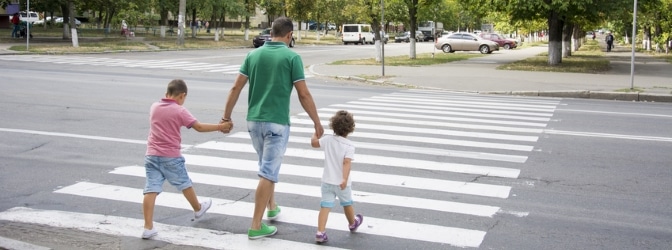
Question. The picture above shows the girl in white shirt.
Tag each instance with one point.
(338, 155)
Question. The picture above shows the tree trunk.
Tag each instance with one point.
(65, 10)
(567, 39)
(578, 37)
(647, 37)
(412, 14)
(555, 24)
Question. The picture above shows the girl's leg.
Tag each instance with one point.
(349, 214)
(190, 194)
(148, 209)
(322, 219)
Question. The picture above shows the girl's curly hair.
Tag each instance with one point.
(342, 123)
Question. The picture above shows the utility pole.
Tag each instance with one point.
(180, 22)
(382, 39)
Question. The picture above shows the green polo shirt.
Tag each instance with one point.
(272, 70)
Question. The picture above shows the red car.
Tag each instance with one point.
(503, 42)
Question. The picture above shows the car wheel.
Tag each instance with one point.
(446, 48)
(507, 46)
(484, 49)
(291, 43)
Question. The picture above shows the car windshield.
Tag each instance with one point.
(265, 32)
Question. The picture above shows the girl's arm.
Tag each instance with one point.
(346, 172)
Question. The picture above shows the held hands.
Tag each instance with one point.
(226, 125)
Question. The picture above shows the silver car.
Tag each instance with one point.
(465, 42)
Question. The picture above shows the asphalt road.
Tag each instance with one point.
(435, 170)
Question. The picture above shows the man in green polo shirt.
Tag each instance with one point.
(273, 71)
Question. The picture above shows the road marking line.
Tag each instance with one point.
(457, 104)
(376, 160)
(315, 191)
(418, 139)
(383, 227)
(360, 110)
(437, 110)
(611, 136)
(129, 227)
(403, 148)
(399, 181)
(434, 132)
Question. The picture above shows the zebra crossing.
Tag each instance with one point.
(398, 137)
(221, 68)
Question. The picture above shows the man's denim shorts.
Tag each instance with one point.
(330, 192)
(159, 169)
(270, 141)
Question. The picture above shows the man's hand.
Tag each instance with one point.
(228, 125)
(344, 184)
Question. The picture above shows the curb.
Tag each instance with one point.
(584, 94)
(10, 244)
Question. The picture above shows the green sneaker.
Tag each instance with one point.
(273, 214)
(264, 231)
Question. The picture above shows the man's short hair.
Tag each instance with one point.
(282, 26)
(176, 87)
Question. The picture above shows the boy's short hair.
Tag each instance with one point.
(343, 123)
(176, 87)
(282, 26)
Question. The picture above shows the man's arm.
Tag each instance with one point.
(231, 101)
(308, 105)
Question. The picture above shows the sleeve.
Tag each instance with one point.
(350, 152)
(188, 120)
(244, 67)
(297, 69)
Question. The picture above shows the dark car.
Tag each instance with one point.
(428, 35)
(406, 37)
(503, 42)
(265, 35)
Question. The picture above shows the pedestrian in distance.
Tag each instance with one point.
(609, 39)
(16, 21)
(163, 159)
(336, 182)
(273, 71)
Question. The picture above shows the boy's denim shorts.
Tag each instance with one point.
(159, 169)
(270, 141)
(330, 192)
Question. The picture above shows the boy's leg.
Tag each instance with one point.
(322, 219)
(148, 209)
(190, 194)
(271, 201)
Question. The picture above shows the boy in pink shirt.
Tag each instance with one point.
(163, 160)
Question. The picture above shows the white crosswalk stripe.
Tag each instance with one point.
(231, 69)
(406, 131)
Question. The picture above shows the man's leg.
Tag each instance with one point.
(262, 198)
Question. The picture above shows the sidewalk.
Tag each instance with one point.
(481, 76)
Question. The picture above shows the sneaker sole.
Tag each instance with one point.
(262, 236)
(149, 236)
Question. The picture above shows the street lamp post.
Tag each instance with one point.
(634, 40)
(382, 39)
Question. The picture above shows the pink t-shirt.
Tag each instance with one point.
(166, 118)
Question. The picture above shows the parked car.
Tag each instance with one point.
(465, 42)
(357, 33)
(406, 37)
(30, 17)
(265, 35)
(428, 36)
(503, 42)
(384, 35)
(60, 20)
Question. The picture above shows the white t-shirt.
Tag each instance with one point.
(336, 149)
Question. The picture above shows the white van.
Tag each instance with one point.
(357, 33)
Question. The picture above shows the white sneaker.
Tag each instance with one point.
(204, 208)
(149, 233)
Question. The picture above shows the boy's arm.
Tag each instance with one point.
(314, 141)
(346, 172)
(209, 127)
